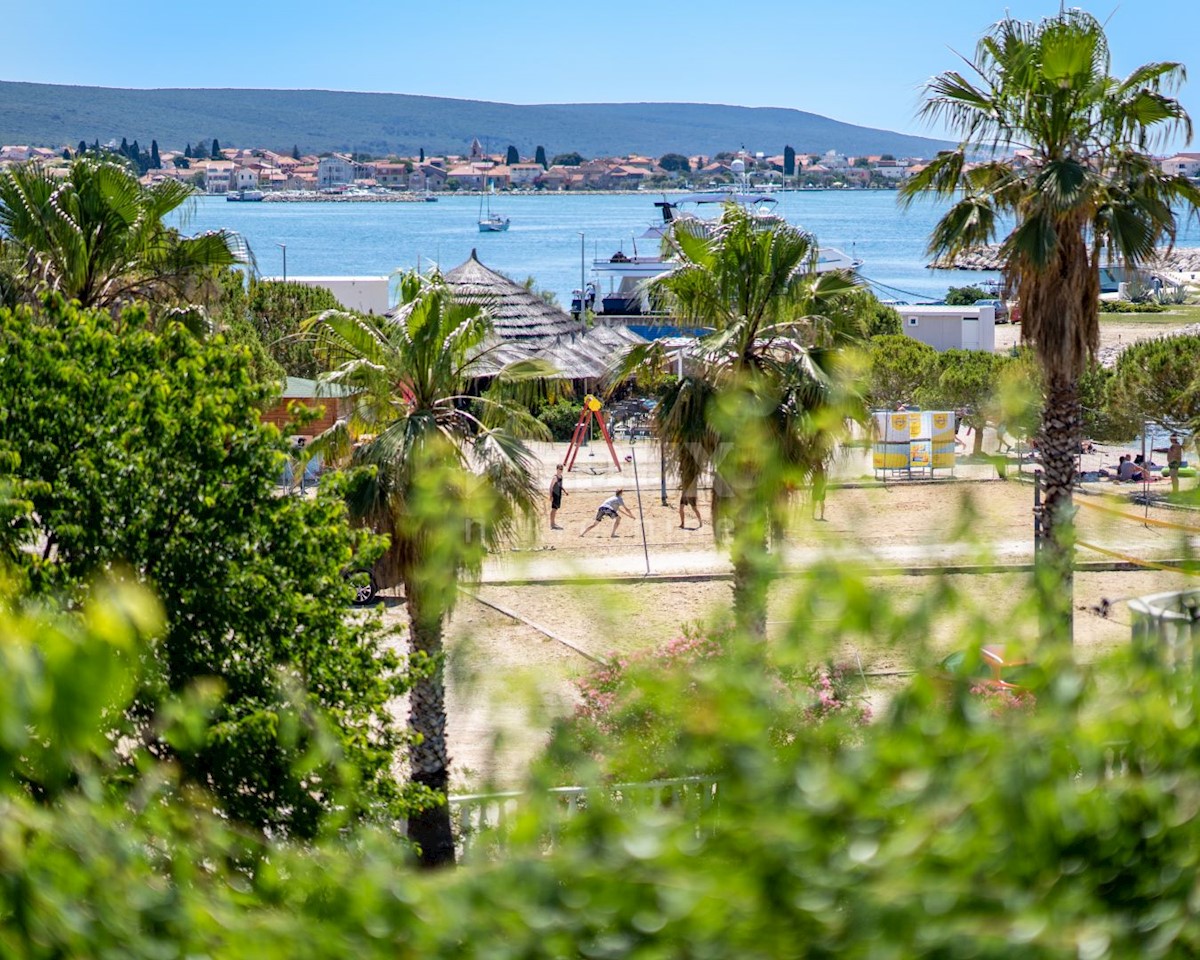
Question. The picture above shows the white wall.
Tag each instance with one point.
(362, 294)
(950, 328)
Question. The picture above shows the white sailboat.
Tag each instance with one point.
(492, 222)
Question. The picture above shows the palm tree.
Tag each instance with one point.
(758, 405)
(444, 474)
(1080, 191)
(97, 236)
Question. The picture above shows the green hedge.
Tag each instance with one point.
(1124, 306)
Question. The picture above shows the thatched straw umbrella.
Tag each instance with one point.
(528, 326)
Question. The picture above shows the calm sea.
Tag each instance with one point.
(549, 232)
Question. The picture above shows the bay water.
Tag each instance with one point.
(551, 233)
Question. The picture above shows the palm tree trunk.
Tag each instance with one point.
(749, 598)
(1058, 442)
(429, 760)
(753, 567)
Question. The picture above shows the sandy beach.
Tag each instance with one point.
(563, 599)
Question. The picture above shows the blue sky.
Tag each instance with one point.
(861, 61)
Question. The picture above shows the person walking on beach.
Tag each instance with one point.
(613, 507)
(818, 491)
(688, 498)
(1174, 461)
(556, 495)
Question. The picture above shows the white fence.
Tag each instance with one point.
(486, 817)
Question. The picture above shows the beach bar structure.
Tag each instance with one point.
(950, 328)
(910, 444)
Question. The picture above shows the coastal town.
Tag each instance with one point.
(228, 171)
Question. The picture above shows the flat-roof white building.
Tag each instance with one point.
(950, 328)
(362, 294)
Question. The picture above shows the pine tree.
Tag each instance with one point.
(216, 149)
(540, 157)
(296, 152)
(155, 159)
(513, 156)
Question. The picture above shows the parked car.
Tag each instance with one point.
(1000, 306)
(995, 667)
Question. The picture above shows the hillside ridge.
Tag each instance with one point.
(319, 121)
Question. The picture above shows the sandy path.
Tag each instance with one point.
(1115, 330)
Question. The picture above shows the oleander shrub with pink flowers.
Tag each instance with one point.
(1002, 702)
(644, 711)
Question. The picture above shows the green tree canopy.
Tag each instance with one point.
(146, 454)
(1158, 381)
(567, 160)
(967, 381)
(965, 296)
(675, 163)
(900, 367)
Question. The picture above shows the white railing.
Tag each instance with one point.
(1166, 627)
(488, 815)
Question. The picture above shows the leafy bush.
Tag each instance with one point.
(965, 296)
(1126, 306)
(619, 717)
(560, 418)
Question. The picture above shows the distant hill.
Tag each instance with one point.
(317, 121)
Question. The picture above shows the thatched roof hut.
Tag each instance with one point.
(526, 326)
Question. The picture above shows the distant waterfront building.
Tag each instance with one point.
(218, 175)
(524, 174)
(1185, 164)
(334, 171)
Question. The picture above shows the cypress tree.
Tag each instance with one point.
(82, 147)
(296, 152)
(789, 162)
(216, 149)
(540, 157)
(66, 153)
(134, 150)
(513, 156)
(155, 159)
(422, 155)
(96, 146)
(124, 147)
(187, 151)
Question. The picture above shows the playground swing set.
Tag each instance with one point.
(592, 411)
